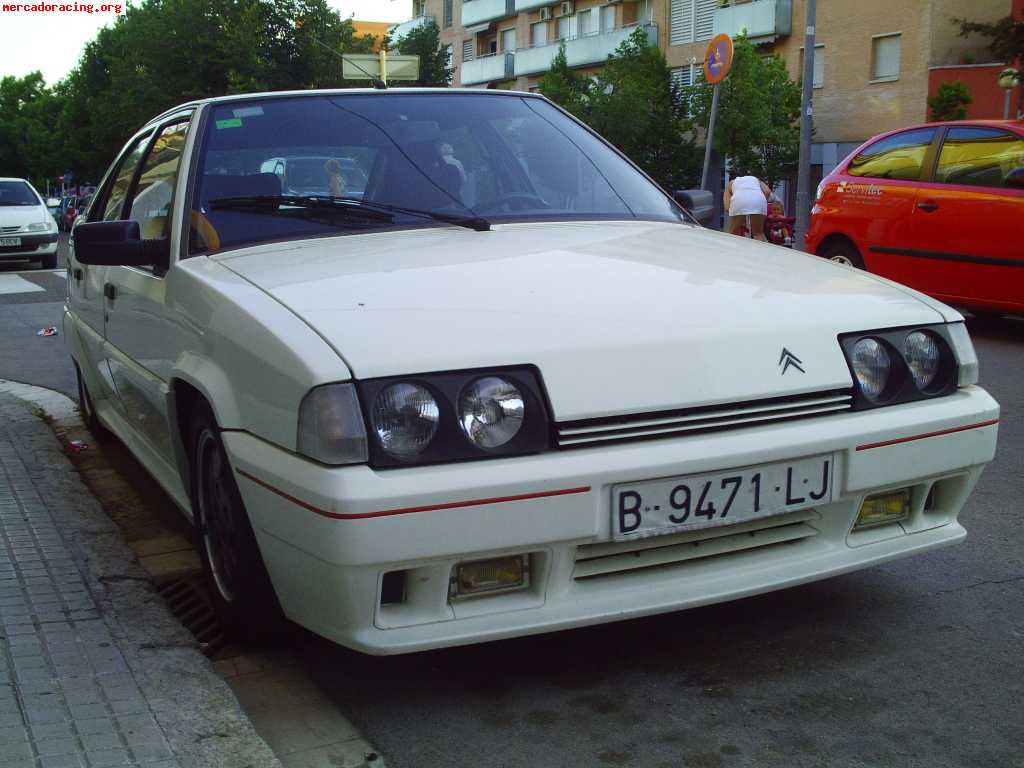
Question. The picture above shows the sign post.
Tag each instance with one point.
(717, 63)
(382, 67)
(803, 177)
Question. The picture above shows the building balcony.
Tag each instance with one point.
(762, 20)
(488, 69)
(481, 11)
(399, 31)
(579, 51)
(529, 5)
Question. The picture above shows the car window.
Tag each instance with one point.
(114, 205)
(154, 195)
(980, 157)
(895, 157)
(471, 155)
(17, 193)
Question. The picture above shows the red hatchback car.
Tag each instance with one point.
(938, 207)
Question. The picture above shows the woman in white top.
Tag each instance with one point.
(745, 196)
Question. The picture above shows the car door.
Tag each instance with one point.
(86, 281)
(967, 221)
(140, 338)
(877, 203)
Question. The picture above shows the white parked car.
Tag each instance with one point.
(508, 389)
(27, 228)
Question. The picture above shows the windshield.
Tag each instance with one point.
(17, 193)
(435, 155)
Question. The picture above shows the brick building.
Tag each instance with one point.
(875, 60)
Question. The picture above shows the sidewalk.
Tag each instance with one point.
(94, 670)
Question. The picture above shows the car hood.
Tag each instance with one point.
(20, 215)
(617, 317)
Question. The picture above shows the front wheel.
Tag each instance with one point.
(235, 573)
(843, 252)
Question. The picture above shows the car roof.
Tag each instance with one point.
(14, 178)
(380, 92)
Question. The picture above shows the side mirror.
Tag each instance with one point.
(118, 244)
(698, 202)
(1015, 178)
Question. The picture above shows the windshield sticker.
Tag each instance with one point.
(232, 123)
(247, 111)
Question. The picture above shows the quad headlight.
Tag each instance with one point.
(491, 411)
(904, 364)
(405, 418)
(38, 226)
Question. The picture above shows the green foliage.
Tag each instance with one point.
(634, 105)
(758, 108)
(425, 41)
(164, 52)
(950, 102)
(1006, 36)
(28, 115)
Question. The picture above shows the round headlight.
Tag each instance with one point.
(921, 352)
(491, 412)
(405, 418)
(872, 367)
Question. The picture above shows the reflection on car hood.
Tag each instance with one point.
(20, 215)
(618, 316)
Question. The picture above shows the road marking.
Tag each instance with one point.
(15, 284)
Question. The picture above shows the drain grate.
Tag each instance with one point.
(186, 597)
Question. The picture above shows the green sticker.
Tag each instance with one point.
(232, 123)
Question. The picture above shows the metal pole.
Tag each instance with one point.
(1006, 104)
(384, 66)
(803, 179)
(710, 139)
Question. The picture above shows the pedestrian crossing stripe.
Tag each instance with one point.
(16, 284)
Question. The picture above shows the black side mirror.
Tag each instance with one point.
(698, 202)
(118, 244)
(1015, 178)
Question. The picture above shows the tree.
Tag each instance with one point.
(28, 115)
(1006, 36)
(435, 61)
(950, 102)
(758, 107)
(564, 87)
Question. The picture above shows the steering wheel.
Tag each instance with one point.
(509, 203)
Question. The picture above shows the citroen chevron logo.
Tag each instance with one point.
(790, 360)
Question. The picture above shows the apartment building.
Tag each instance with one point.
(871, 66)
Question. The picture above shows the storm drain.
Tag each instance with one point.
(186, 597)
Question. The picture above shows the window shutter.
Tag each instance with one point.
(887, 56)
(704, 24)
(682, 77)
(819, 65)
(467, 50)
(447, 13)
(681, 23)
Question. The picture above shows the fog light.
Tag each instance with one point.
(884, 508)
(494, 575)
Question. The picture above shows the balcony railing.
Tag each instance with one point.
(580, 51)
(399, 31)
(761, 19)
(478, 11)
(529, 5)
(488, 69)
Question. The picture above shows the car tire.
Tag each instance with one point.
(239, 585)
(88, 413)
(844, 252)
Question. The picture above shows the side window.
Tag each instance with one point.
(154, 196)
(118, 191)
(979, 157)
(896, 157)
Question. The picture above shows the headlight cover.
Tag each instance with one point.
(404, 418)
(331, 428)
(480, 414)
(921, 363)
(38, 226)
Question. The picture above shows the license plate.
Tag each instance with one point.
(9, 242)
(689, 502)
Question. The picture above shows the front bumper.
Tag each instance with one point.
(31, 247)
(328, 535)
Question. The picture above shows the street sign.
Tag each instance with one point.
(366, 66)
(718, 59)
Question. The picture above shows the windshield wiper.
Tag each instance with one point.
(347, 205)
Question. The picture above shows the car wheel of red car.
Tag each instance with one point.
(843, 252)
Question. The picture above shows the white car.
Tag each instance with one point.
(27, 228)
(511, 389)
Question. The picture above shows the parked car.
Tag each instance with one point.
(27, 230)
(75, 207)
(524, 395)
(937, 207)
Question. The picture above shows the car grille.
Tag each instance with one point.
(9, 230)
(646, 426)
(595, 560)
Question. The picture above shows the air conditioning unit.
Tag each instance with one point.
(565, 8)
(545, 14)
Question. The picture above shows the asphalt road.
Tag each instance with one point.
(915, 663)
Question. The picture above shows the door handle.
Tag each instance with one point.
(110, 291)
(928, 206)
